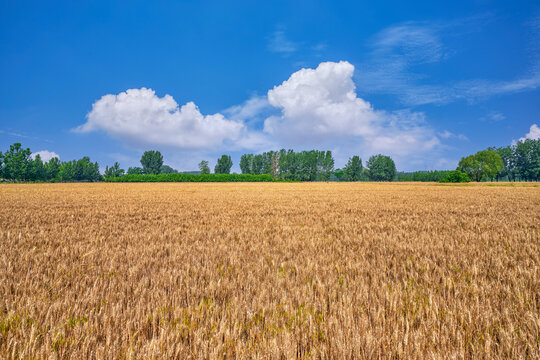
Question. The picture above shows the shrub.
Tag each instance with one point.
(455, 176)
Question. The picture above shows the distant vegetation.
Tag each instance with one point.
(422, 176)
(191, 178)
(517, 162)
(455, 176)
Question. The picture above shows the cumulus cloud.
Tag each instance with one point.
(140, 116)
(248, 111)
(320, 105)
(313, 108)
(533, 134)
(45, 155)
(319, 102)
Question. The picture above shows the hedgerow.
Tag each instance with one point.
(191, 178)
(455, 176)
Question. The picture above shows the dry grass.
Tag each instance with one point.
(269, 271)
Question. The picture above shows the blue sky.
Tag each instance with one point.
(425, 82)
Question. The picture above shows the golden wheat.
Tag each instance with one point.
(313, 270)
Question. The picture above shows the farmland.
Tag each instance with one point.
(269, 270)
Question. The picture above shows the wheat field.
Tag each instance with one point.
(269, 271)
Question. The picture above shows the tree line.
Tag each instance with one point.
(517, 162)
(314, 165)
(17, 164)
(423, 176)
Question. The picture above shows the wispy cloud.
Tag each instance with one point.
(394, 51)
(279, 43)
(23, 136)
(408, 43)
(493, 116)
(450, 135)
(481, 88)
(397, 50)
(249, 111)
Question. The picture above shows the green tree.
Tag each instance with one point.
(257, 164)
(135, 171)
(1, 165)
(36, 170)
(114, 171)
(223, 165)
(325, 165)
(151, 162)
(166, 169)
(204, 168)
(52, 167)
(483, 164)
(302, 166)
(455, 176)
(353, 171)
(308, 165)
(470, 166)
(289, 165)
(79, 170)
(66, 171)
(508, 157)
(381, 168)
(245, 163)
(339, 174)
(92, 172)
(527, 154)
(490, 163)
(82, 169)
(16, 162)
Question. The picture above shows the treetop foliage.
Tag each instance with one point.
(381, 168)
(204, 168)
(516, 162)
(151, 162)
(354, 170)
(223, 165)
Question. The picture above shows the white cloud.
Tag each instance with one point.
(320, 103)
(314, 108)
(45, 155)
(398, 49)
(394, 50)
(249, 110)
(480, 88)
(139, 116)
(450, 135)
(403, 134)
(279, 43)
(415, 42)
(446, 134)
(493, 116)
(320, 107)
(533, 134)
